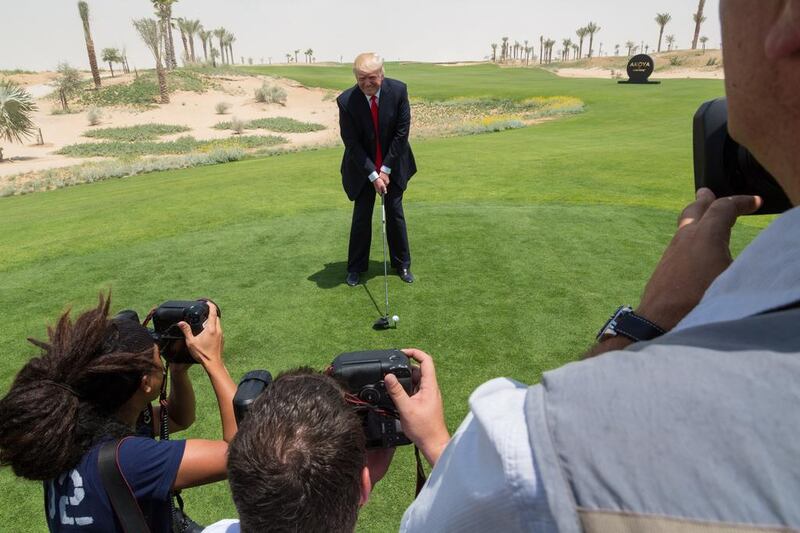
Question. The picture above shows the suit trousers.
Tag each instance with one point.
(361, 229)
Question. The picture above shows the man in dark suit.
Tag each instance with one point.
(375, 118)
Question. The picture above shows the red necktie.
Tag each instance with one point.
(374, 108)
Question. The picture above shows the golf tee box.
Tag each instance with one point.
(640, 68)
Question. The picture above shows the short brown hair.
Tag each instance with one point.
(296, 461)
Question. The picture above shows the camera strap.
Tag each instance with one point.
(421, 477)
(118, 490)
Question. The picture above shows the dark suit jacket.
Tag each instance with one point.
(358, 134)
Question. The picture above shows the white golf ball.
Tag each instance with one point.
(396, 318)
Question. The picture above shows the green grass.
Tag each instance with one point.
(140, 132)
(183, 145)
(143, 91)
(523, 242)
(276, 124)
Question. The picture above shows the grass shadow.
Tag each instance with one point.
(333, 274)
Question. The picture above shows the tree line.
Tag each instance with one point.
(508, 51)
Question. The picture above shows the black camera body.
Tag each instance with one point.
(166, 333)
(250, 388)
(362, 375)
(726, 167)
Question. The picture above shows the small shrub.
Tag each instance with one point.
(276, 124)
(712, 61)
(270, 94)
(222, 107)
(237, 126)
(676, 61)
(93, 116)
(277, 95)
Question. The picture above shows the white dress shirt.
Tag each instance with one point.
(486, 478)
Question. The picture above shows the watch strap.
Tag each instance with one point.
(637, 327)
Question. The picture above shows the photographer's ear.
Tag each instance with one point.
(783, 39)
(147, 386)
(366, 487)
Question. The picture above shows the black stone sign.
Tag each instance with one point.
(640, 67)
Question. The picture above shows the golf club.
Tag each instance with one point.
(385, 322)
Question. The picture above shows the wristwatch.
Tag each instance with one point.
(628, 324)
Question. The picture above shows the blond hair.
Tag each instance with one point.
(367, 62)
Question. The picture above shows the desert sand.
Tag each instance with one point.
(194, 110)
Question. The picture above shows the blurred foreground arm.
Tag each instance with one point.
(698, 253)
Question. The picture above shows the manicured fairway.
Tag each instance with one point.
(523, 242)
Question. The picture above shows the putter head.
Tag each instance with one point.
(382, 323)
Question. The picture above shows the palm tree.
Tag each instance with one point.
(308, 53)
(83, 9)
(16, 107)
(549, 44)
(182, 27)
(229, 39)
(574, 51)
(504, 51)
(204, 37)
(193, 27)
(124, 58)
(494, 52)
(592, 28)
(214, 53)
(698, 20)
(220, 33)
(151, 35)
(616, 49)
(704, 40)
(631, 46)
(567, 44)
(111, 56)
(288, 58)
(526, 51)
(295, 55)
(164, 14)
(581, 33)
(541, 49)
(670, 41)
(662, 19)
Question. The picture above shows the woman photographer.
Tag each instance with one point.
(90, 384)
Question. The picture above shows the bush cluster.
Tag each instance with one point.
(276, 124)
(183, 145)
(140, 132)
(270, 94)
(88, 173)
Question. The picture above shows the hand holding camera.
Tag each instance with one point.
(205, 346)
(421, 414)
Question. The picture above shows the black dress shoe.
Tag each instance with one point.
(406, 275)
(352, 279)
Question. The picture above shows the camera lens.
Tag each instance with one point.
(370, 395)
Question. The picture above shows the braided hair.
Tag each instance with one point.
(63, 401)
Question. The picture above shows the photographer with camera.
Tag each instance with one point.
(688, 419)
(313, 445)
(83, 397)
